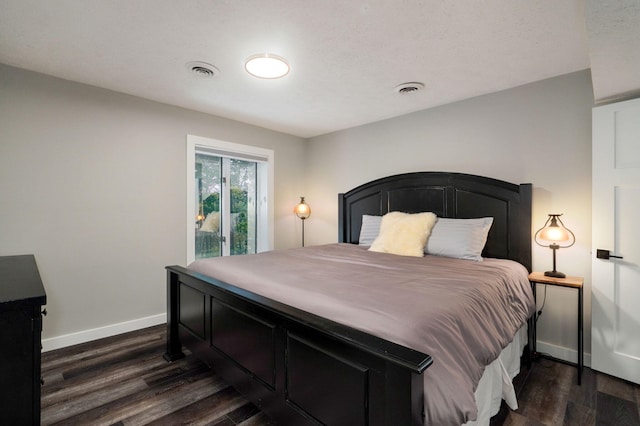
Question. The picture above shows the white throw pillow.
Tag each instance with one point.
(369, 230)
(404, 234)
(459, 238)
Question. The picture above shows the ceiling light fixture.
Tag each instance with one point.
(266, 65)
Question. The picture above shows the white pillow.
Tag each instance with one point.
(404, 234)
(369, 230)
(459, 238)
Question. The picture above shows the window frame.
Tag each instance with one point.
(265, 186)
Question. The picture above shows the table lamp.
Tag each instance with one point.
(554, 235)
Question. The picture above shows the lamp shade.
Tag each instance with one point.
(554, 233)
(302, 210)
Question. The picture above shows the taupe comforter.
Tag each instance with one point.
(461, 312)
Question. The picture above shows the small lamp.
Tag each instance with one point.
(554, 235)
(200, 217)
(303, 211)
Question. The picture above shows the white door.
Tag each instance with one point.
(615, 330)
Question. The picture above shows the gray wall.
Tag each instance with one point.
(93, 183)
(538, 133)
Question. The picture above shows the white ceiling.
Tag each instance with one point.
(614, 48)
(346, 56)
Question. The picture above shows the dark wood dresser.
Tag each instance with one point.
(21, 299)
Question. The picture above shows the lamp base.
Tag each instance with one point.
(555, 274)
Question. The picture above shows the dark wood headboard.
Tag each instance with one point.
(452, 195)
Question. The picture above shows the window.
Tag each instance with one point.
(229, 198)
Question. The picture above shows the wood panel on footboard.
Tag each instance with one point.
(298, 368)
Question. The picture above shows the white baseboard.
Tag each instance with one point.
(560, 352)
(101, 332)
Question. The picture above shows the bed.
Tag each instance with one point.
(302, 366)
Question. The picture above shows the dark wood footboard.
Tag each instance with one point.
(298, 368)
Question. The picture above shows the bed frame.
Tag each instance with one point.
(302, 369)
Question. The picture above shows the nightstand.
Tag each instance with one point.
(571, 282)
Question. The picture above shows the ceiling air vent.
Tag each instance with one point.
(406, 88)
(202, 69)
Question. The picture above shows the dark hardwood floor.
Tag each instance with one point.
(123, 380)
(548, 394)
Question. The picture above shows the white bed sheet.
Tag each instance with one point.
(496, 382)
